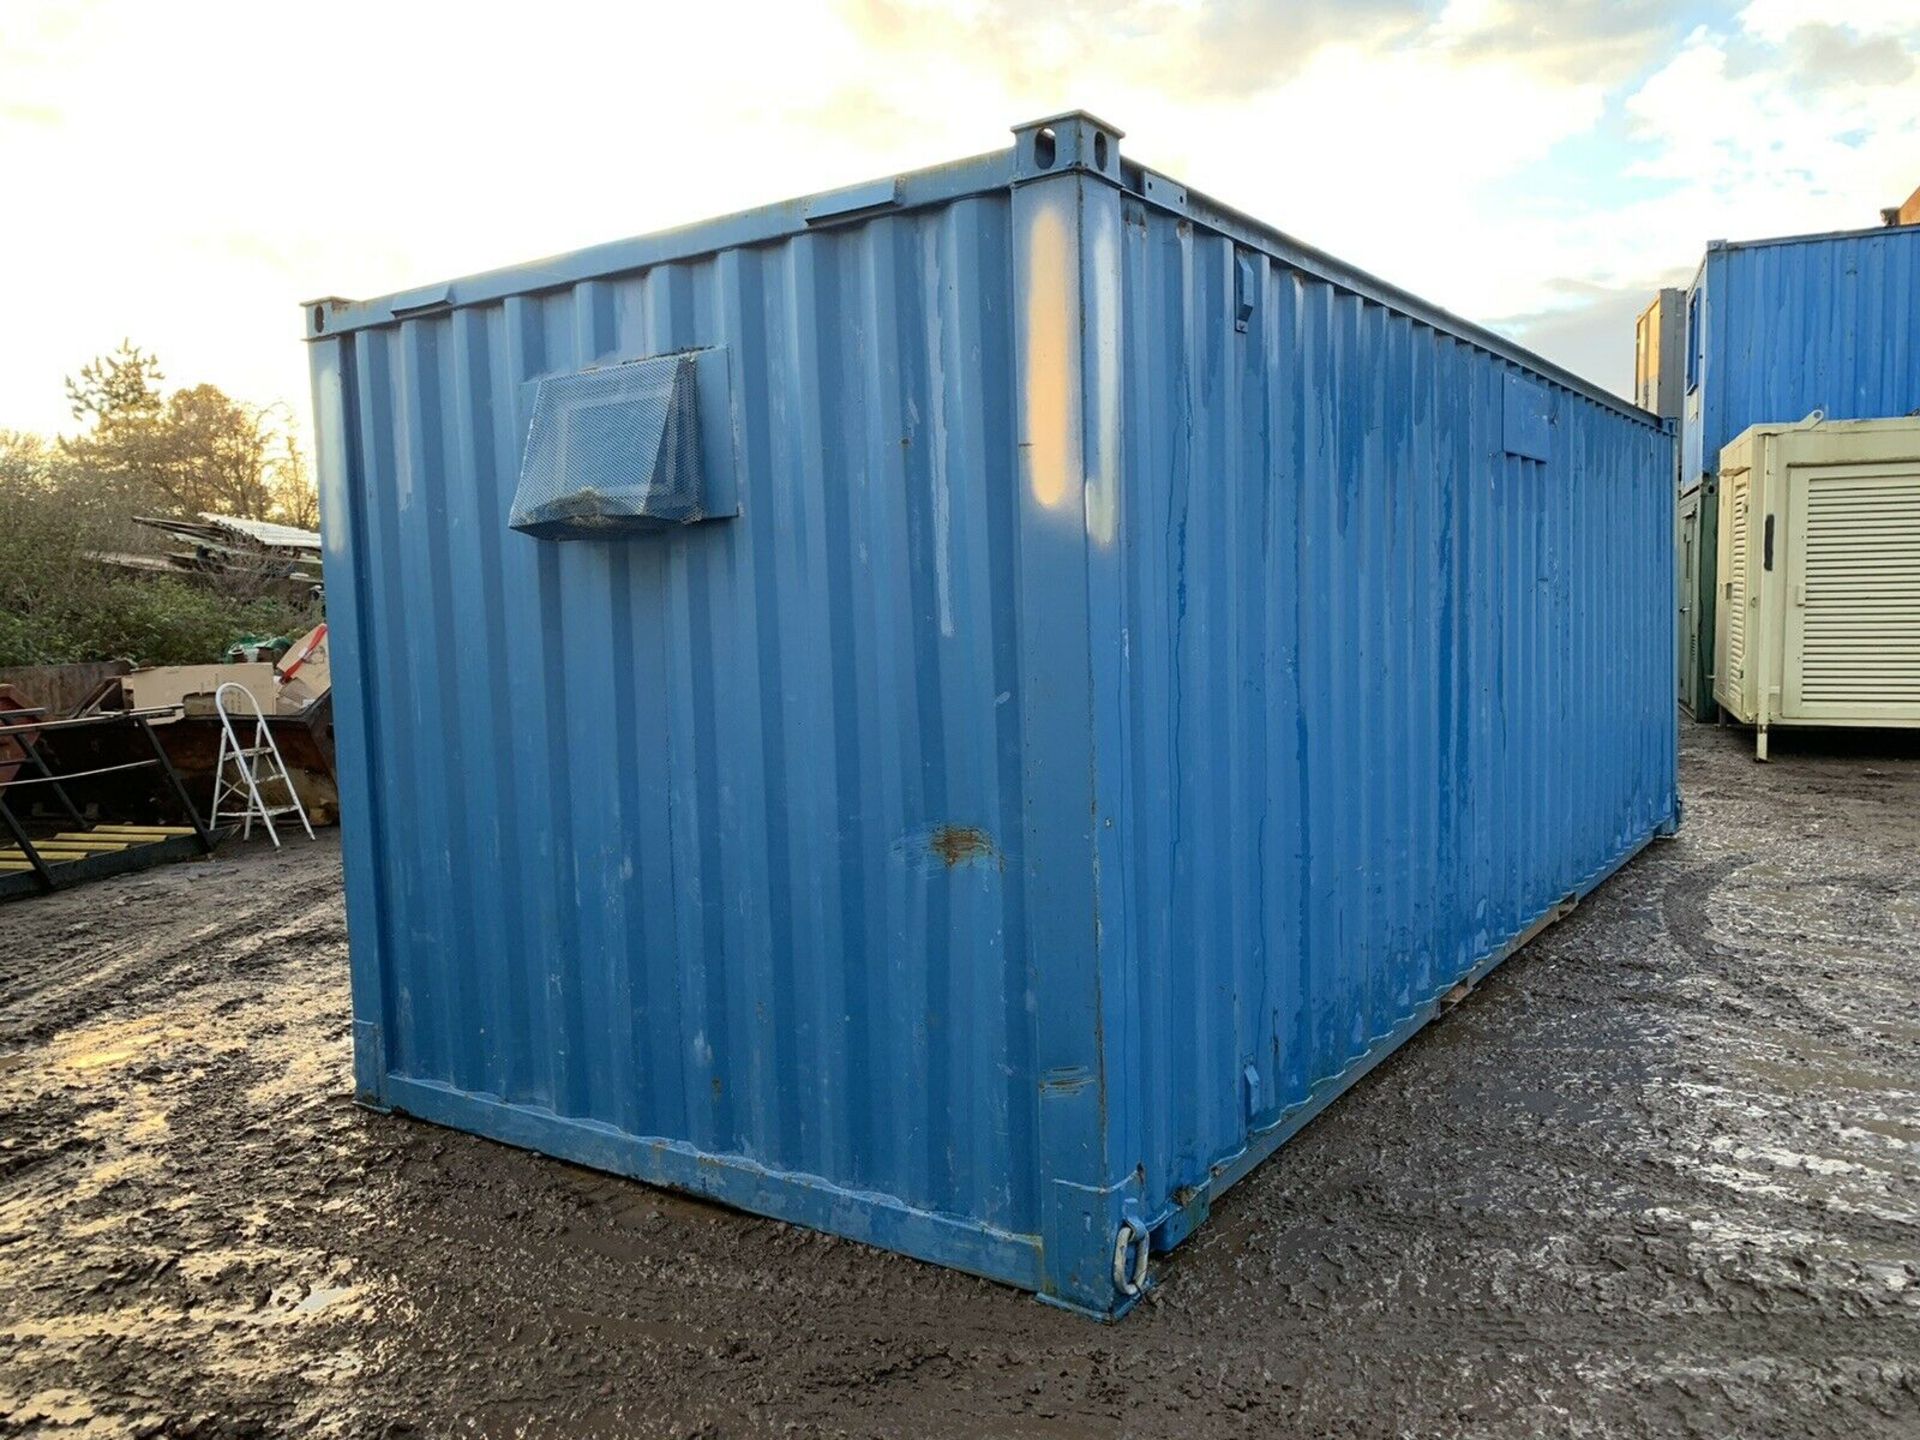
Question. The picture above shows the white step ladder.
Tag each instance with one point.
(242, 769)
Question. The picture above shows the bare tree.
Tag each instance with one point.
(296, 500)
(125, 383)
(195, 449)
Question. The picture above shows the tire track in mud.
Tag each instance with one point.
(1684, 901)
(77, 954)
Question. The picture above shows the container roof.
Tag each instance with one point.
(941, 184)
(1816, 237)
(1876, 424)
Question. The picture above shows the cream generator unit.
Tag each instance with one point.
(1819, 562)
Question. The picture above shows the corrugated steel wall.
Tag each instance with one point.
(1101, 734)
(1826, 323)
(705, 836)
(1822, 322)
(1394, 693)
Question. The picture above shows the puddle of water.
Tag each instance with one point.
(1823, 1071)
(100, 1059)
(113, 1043)
(321, 1296)
(1880, 1126)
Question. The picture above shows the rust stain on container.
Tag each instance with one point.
(959, 844)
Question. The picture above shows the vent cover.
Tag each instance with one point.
(617, 451)
(1526, 418)
(1861, 637)
(1736, 656)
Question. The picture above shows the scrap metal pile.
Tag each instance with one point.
(231, 547)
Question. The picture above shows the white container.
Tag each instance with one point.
(1660, 354)
(1819, 564)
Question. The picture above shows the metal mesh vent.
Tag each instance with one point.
(612, 451)
(1860, 642)
(1736, 658)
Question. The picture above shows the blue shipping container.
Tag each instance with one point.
(1777, 329)
(1014, 685)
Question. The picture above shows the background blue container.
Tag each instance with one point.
(1142, 667)
(1775, 330)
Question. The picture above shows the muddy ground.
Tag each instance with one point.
(1660, 1175)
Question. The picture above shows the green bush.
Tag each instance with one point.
(158, 621)
(161, 621)
(60, 602)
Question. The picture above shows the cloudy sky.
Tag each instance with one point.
(184, 173)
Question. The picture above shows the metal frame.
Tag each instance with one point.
(48, 875)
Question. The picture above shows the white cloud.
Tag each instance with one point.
(1774, 20)
(1754, 154)
(188, 173)
(1739, 141)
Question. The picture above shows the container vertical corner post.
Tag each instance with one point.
(343, 505)
(1066, 221)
